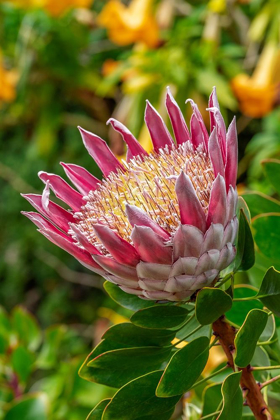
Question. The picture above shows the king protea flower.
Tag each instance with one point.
(159, 225)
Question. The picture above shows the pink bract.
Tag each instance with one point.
(161, 225)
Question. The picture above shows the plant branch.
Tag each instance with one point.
(210, 376)
(210, 415)
(254, 397)
(276, 378)
(265, 367)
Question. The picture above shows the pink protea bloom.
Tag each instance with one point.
(160, 225)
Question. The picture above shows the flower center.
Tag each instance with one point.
(148, 183)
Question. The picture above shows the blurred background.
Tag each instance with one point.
(78, 62)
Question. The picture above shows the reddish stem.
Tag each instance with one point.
(14, 384)
(249, 386)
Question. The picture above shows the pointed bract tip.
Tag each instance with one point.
(109, 121)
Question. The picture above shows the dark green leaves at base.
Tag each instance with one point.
(211, 303)
(137, 401)
(184, 368)
(247, 337)
(129, 335)
(232, 398)
(126, 351)
(97, 412)
(161, 316)
(124, 299)
(269, 293)
(117, 367)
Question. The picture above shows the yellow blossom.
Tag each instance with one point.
(217, 6)
(8, 79)
(257, 94)
(134, 23)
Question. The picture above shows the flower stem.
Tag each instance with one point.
(254, 397)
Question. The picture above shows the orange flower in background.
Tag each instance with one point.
(257, 94)
(53, 7)
(8, 80)
(134, 23)
(57, 8)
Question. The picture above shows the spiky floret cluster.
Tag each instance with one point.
(149, 184)
(160, 225)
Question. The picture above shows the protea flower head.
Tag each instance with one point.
(159, 225)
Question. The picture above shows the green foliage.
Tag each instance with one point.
(31, 361)
(29, 408)
(245, 255)
(232, 398)
(272, 171)
(97, 412)
(60, 63)
(163, 316)
(216, 299)
(137, 401)
(124, 299)
(184, 368)
(267, 234)
(247, 336)
(241, 308)
(269, 292)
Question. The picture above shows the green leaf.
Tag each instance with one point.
(137, 398)
(97, 412)
(117, 367)
(272, 171)
(26, 328)
(161, 317)
(184, 368)
(191, 329)
(260, 357)
(22, 362)
(104, 346)
(247, 336)
(48, 355)
(241, 204)
(240, 309)
(259, 203)
(269, 330)
(126, 300)
(33, 407)
(211, 398)
(162, 416)
(232, 398)
(211, 303)
(269, 292)
(245, 255)
(5, 325)
(132, 336)
(266, 229)
(4, 344)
